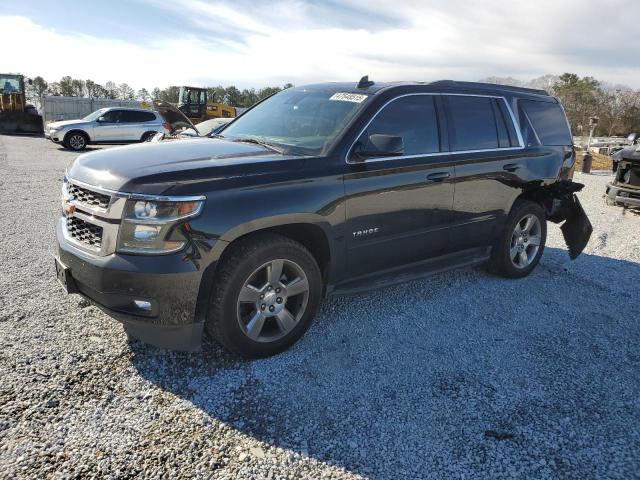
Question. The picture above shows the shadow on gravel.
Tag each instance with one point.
(462, 374)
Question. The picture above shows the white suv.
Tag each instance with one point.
(108, 125)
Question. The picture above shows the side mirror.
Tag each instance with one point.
(101, 119)
(380, 145)
(633, 138)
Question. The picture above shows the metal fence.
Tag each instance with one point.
(71, 108)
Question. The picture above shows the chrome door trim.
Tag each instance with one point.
(434, 154)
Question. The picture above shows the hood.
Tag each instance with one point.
(153, 168)
(174, 117)
(64, 123)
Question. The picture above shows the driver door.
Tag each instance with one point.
(399, 208)
(109, 129)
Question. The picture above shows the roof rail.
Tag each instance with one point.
(488, 86)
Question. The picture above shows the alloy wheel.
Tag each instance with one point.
(525, 241)
(272, 300)
(76, 142)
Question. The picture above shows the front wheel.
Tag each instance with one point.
(264, 297)
(76, 141)
(518, 250)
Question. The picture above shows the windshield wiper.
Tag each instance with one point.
(257, 141)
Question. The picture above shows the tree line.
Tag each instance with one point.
(616, 106)
(73, 87)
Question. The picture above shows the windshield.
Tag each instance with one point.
(297, 119)
(10, 84)
(95, 115)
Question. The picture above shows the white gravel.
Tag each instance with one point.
(462, 375)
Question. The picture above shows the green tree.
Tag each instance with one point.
(77, 87)
(579, 98)
(111, 90)
(37, 90)
(155, 93)
(267, 92)
(170, 94)
(143, 95)
(66, 86)
(233, 96)
(125, 92)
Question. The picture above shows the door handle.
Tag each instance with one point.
(511, 167)
(438, 176)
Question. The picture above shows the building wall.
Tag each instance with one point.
(71, 108)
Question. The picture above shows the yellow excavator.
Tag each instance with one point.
(16, 115)
(193, 102)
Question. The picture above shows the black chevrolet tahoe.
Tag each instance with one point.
(325, 189)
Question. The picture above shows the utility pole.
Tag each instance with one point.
(587, 159)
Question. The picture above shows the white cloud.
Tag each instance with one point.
(294, 41)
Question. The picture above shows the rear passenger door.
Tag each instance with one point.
(399, 207)
(489, 161)
(133, 124)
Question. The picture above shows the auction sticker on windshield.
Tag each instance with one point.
(348, 97)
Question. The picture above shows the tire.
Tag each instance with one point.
(253, 315)
(76, 141)
(514, 254)
(147, 136)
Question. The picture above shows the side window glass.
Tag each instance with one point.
(473, 123)
(148, 117)
(503, 133)
(111, 116)
(413, 118)
(129, 116)
(528, 133)
(513, 136)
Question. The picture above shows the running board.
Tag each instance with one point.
(414, 271)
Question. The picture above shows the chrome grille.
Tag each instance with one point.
(84, 232)
(88, 197)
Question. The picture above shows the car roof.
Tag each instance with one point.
(133, 109)
(440, 85)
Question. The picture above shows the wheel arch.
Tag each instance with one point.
(312, 235)
(152, 132)
(77, 130)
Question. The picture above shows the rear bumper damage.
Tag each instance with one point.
(562, 205)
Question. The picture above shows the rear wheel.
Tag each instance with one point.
(518, 250)
(76, 141)
(147, 136)
(264, 297)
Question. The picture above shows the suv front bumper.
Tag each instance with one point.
(156, 298)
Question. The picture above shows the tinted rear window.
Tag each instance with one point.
(473, 123)
(137, 116)
(548, 121)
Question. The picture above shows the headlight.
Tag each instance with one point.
(149, 226)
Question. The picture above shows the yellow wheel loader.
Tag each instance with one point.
(193, 102)
(16, 115)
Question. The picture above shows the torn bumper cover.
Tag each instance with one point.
(565, 207)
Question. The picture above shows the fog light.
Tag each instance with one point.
(142, 305)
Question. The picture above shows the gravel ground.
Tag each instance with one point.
(462, 375)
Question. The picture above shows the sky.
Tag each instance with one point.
(149, 43)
